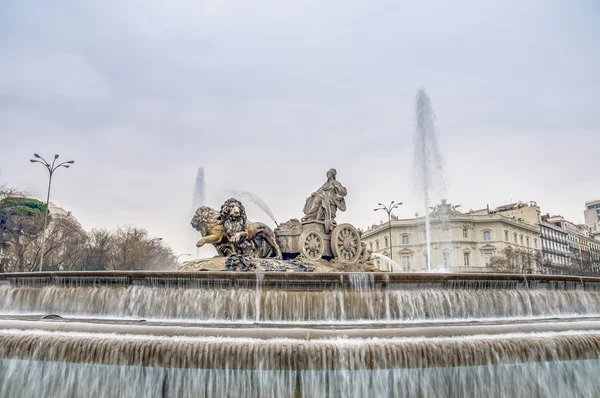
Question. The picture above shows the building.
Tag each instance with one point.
(556, 251)
(554, 240)
(592, 213)
(574, 233)
(462, 242)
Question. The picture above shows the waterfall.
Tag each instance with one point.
(157, 334)
(428, 160)
(360, 302)
(71, 364)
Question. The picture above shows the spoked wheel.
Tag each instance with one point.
(312, 244)
(345, 243)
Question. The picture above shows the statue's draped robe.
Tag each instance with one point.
(323, 204)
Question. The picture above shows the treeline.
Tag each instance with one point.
(519, 261)
(68, 247)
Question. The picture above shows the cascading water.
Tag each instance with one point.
(356, 304)
(428, 160)
(395, 266)
(299, 335)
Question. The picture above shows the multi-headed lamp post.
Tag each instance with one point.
(51, 169)
(389, 209)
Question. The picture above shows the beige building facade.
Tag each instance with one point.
(460, 242)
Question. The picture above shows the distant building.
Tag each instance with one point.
(556, 250)
(462, 242)
(573, 232)
(583, 244)
(592, 212)
(592, 215)
(59, 212)
(554, 240)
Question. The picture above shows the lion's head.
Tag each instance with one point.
(233, 210)
(204, 218)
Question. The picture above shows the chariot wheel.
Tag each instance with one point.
(345, 243)
(311, 244)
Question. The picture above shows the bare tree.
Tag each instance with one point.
(69, 247)
(9, 192)
(134, 250)
(517, 261)
(99, 250)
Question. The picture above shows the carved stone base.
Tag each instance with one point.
(240, 263)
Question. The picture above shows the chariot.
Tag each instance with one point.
(310, 239)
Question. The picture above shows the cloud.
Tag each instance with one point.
(269, 95)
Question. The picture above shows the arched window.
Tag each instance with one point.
(487, 235)
(528, 242)
(515, 237)
(377, 245)
(385, 242)
(506, 236)
(465, 232)
(522, 240)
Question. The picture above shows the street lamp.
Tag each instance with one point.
(388, 210)
(177, 259)
(51, 169)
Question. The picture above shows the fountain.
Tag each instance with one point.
(427, 160)
(199, 198)
(255, 200)
(395, 266)
(296, 334)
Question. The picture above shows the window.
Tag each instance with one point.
(385, 242)
(506, 236)
(521, 240)
(515, 237)
(488, 258)
(406, 262)
(487, 235)
(376, 245)
(371, 246)
(405, 240)
(465, 232)
(528, 242)
(446, 259)
(466, 259)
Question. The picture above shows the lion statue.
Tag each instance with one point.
(206, 221)
(230, 231)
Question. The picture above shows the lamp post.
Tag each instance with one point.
(51, 169)
(389, 209)
(177, 259)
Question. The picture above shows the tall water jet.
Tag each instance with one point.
(428, 161)
(254, 199)
(199, 199)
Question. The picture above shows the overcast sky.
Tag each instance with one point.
(268, 95)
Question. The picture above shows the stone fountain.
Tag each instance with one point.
(296, 334)
(295, 245)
